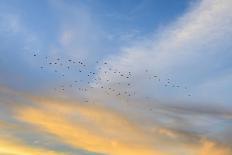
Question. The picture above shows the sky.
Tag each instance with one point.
(125, 77)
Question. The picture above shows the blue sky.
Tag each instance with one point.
(179, 55)
(107, 26)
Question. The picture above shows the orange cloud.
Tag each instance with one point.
(102, 130)
(90, 127)
(211, 148)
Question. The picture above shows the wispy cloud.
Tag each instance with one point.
(103, 130)
(81, 126)
(194, 50)
(107, 130)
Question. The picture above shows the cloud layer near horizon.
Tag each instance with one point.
(95, 128)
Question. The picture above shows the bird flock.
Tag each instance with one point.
(101, 78)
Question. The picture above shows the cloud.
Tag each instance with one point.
(104, 130)
(101, 128)
(103, 124)
(209, 147)
(9, 145)
(193, 51)
(206, 109)
(81, 126)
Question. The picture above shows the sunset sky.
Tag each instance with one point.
(122, 77)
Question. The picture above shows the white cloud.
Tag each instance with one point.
(192, 50)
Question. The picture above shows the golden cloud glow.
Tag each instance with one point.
(211, 148)
(89, 127)
(98, 129)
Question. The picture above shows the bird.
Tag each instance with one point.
(86, 72)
